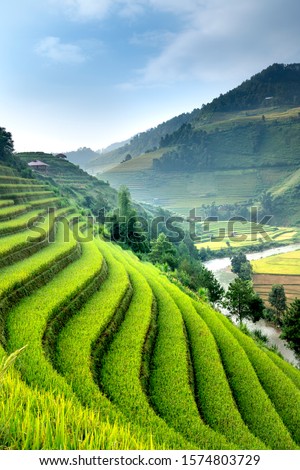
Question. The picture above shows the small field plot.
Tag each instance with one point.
(238, 234)
(279, 269)
(285, 263)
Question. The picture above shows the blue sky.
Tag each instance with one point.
(89, 73)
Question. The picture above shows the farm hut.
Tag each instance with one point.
(37, 165)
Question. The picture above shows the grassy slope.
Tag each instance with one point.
(239, 172)
(74, 183)
(286, 263)
(31, 320)
(217, 235)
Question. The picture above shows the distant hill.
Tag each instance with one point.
(243, 143)
(81, 156)
(276, 86)
(114, 146)
(139, 144)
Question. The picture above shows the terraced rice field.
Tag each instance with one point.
(278, 269)
(117, 357)
(181, 192)
(240, 233)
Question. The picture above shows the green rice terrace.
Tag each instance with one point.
(237, 234)
(101, 351)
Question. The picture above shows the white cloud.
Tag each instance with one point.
(53, 49)
(99, 9)
(223, 40)
(84, 9)
(215, 40)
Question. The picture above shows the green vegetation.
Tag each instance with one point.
(290, 327)
(281, 391)
(9, 212)
(123, 385)
(213, 395)
(242, 302)
(277, 300)
(59, 423)
(15, 276)
(285, 263)
(236, 148)
(99, 350)
(73, 183)
(253, 402)
(171, 392)
(6, 203)
(20, 223)
(241, 266)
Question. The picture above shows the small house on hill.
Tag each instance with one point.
(37, 165)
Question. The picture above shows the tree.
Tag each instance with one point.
(6, 145)
(124, 201)
(241, 266)
(256, 308)
(266, 203)
(246, 271)
(241, 301)
(162, 251)
(214, 288)
(127, 227)
(277, 300)
(291, 327)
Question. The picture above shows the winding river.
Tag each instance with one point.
(221, 269)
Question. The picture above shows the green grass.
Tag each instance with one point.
(20, 223)
(285, 263)
(28, 196)
(27, 322)
(48, 202)
(35, 420)
(214, 397)
(289, 370)
(123, 384)
(6, 202)
(15, 242)
(74, 349)
(20, 188)
(15, 276)
(280, 389)
(255, 406)
(12, 211)
(170, 389)
(16, 179)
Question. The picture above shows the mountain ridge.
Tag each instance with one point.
(276, 86)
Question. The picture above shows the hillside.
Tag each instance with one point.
(83, 308)
(78, 186)
(276, 87)
(139, 144)
(230, 151)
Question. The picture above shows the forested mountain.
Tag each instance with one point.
(276, 86)
(141, 142)
(245, 142)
